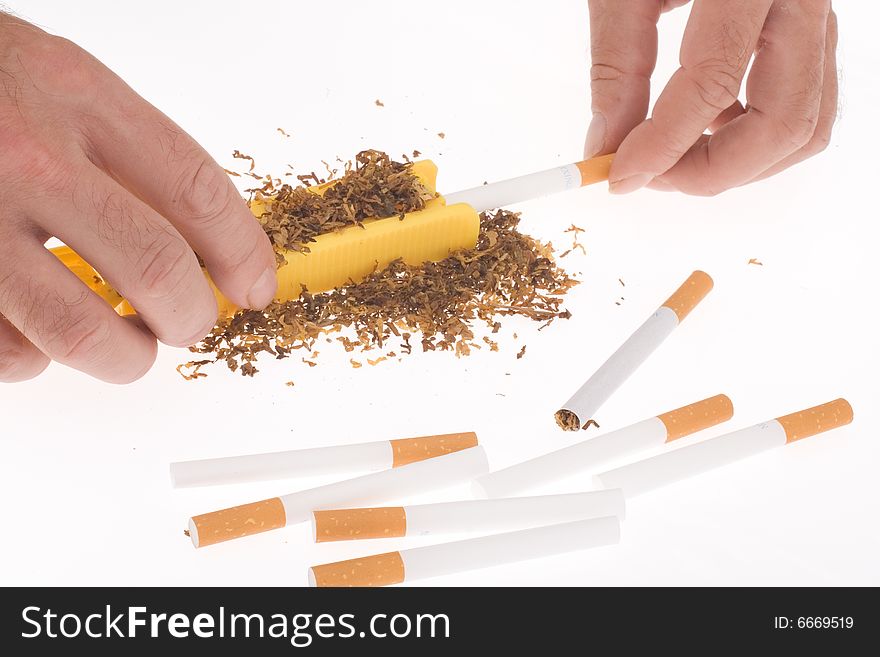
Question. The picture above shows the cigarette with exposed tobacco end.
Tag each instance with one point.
(590, 454)
(667, 468)
(362, 457)
(471, 554)
(417, 477)
(632, 353)
(480, 516)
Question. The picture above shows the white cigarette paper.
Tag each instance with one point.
(338, 459)
(472, 554)
(417, 477)
(482, 516)
(533, 185)
(648, 474)
(591, 454)
(635, 351)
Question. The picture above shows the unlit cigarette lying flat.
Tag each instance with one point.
(632, 353)
(651, 473)
(472, 554)
(595, 452)
(534, 185)
(483, 516)
(418, 477)
(363, 457)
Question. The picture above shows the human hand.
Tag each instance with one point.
(85, 159)
(791, 92)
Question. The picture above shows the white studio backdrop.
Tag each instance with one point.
(84, 467)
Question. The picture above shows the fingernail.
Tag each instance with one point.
(595, 136)
(630, 184)
(263, 291)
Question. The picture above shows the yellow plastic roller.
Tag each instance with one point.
(444, 226)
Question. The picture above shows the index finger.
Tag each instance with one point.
(169, 170)
(716, 49)
(623, 51)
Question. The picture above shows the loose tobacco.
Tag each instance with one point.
(437, 305)
(376, 186)
(568, 421)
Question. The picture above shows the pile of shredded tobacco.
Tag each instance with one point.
(376, 186)
(439, 306)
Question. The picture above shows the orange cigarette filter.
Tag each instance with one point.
(354, 524)
(816, 420)
(465, 516)
(364, 457)
(409, 450)
(457, 556)
(689, 294)
(443, 469)
(371, 571)
(697, 416)
(641, 476)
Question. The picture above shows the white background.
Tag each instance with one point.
(83, 477)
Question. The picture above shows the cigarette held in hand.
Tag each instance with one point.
(363, 457)
(276, 512)
(595, 452)
(645, 475)
(471, 554)
(533, 185)
(482, 516)
(632, 353)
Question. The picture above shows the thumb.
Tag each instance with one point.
(623, 48)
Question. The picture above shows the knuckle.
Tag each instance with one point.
(606, 64)
(203, 194)
(707, 182)
(19, 364)
(605, 73)
(10, 364)
(716, 84)
(118, 222)
(671, 150)
(79, 336)
(29, 160)
(65, 68)
(820, 140)
(735, 42)
(615, 63)
(795, 133)
(44, 165)
(248, 250)
(797, 127)
(165, 263)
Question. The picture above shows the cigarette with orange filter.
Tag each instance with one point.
(534, 185)
(595, 452)
(645, 475)
(362, 457)
(416, 477)
(482, 516)
(632, 353)
(472, 554)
